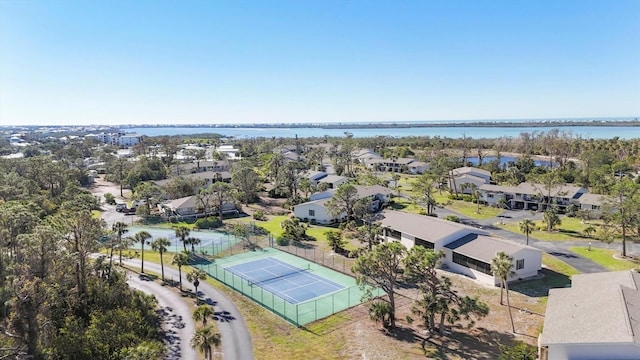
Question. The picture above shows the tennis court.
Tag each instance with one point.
(291, 283)
(294, 288)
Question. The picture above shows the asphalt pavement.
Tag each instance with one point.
(175, 314)
(236, 340)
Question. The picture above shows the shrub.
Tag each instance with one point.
(467, 198)
(282, 241)
(110, 199)
(453, 218)
(260, 215)
(208, 223)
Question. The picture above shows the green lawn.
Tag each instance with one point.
(470, 210)
(569, 230)
(605, 258)
(557, 274)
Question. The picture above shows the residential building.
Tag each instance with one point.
(528, 196)
(204, 179)
(598, 317)
(467, 250)
(592, 204)
(333, 181)
(229, 151)
(316, 210)
(464, 179)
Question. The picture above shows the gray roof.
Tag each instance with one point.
(484, 248)
(333, 179)
(425, 227)
(592, 199)
(188, 201)
(598, 308)
(568, 191)
(364, 191)
(470, 170)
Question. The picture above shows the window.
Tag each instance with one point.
(424, 243)
(472, 263)
(490, 196)
(312, 212)
(394, 234)
(520, 264)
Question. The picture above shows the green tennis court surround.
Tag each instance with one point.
(296, 296)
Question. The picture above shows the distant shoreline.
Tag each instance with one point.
(405, 125)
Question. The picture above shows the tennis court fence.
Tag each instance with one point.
(298, 314)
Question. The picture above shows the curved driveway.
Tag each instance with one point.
(236, 341)
(175, 313)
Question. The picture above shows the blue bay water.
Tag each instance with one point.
(594, 132)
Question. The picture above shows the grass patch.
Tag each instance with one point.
(605, 258)
(275, 339)
(570, 229)
(557, 265)
(406, 205)
(557, 274)
(470, 210)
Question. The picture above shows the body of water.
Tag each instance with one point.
(595, 132)
(504, 160)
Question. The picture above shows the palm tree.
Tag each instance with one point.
(527, 226)
(204, 340)
(142, 237)
(119, 229)
(589, 231)
(194, 277)
(202, 313)
(180, 260)
(124, 244)
(182, 232)
(160, 245)
(193, 241)
(501, 267)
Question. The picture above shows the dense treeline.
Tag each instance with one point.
(55, 301)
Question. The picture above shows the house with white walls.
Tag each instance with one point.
(467, 250)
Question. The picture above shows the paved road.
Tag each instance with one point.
(175, 314)
(558, 249)
(236, 340)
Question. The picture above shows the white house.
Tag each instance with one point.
(465, 183)
(333, 181)
(183, 206)
(530, 196)
(597, 318)
(592, 203)
(467, 250)
(417, 167)
(462, 177)
(469, 170)
(229, 151)
(315, 212)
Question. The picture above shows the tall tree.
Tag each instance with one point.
(160, 245)
(527, 227)
(221, 193)
(381, 267)
(343, 201)
(142, 237)
(205, 340)
(425, 185)
(182, 232)
(180, 260)
(203, 313)
(501, 266)
(119, 228)
(194, 277)
(621, 210)
(246, 180)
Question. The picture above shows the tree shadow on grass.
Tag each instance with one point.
(478, 343)
(540, 287)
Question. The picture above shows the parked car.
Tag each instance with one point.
(121, 207)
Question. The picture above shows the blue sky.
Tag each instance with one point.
(172, 62)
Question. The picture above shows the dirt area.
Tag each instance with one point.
(101, 187)
(411, 341)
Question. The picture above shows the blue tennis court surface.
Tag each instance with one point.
(294, 284)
